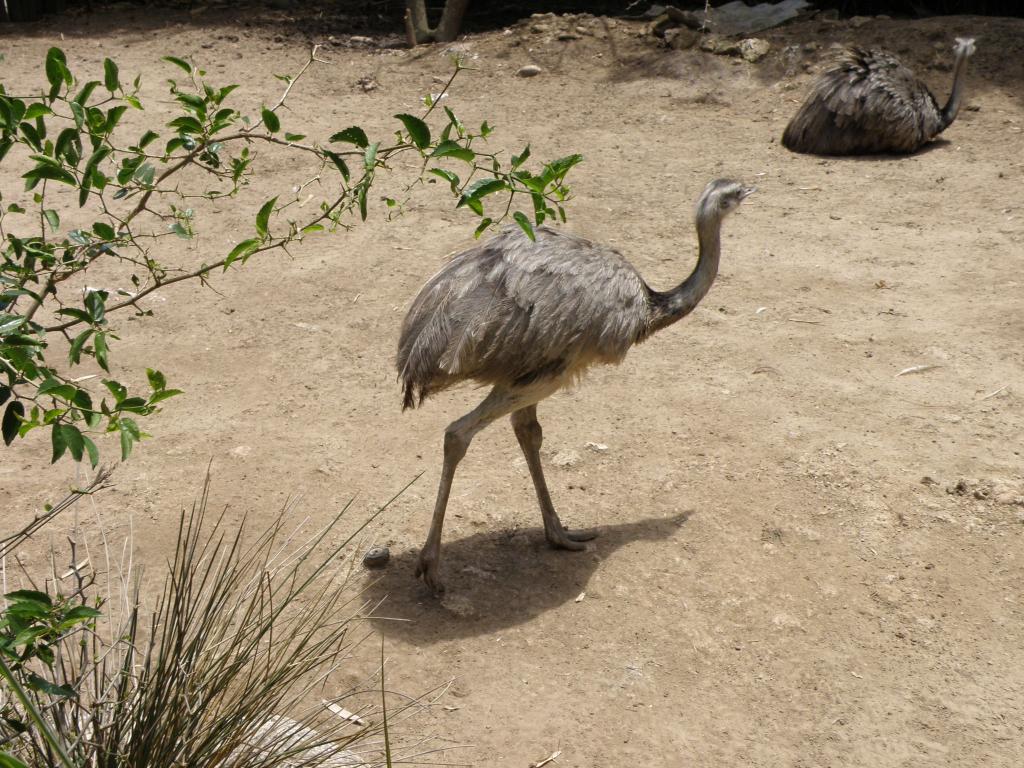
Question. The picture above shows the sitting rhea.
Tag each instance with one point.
(527, 318)
(870, 103)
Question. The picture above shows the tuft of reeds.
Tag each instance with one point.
(228, 669)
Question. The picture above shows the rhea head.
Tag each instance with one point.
(720, 198)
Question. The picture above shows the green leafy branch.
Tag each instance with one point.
(138, 192)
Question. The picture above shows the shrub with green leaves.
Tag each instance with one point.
(98, 193)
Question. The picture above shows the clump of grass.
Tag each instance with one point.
(227, 669)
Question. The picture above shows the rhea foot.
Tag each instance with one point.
(427, 569)
(563, 538)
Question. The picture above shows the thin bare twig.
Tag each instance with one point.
(9, 543)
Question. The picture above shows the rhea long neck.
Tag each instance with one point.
(949, 112)
(671, 306)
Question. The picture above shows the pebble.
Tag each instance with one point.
(530, 70)
(753, 49)
(565, 459)
(377, 557)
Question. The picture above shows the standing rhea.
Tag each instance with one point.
(528, 317)
(870, 103)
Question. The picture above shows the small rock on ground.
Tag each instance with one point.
(377, 557)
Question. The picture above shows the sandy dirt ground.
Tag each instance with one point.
(806, 560)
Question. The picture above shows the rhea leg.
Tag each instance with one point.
(530, 436)
(457, 438)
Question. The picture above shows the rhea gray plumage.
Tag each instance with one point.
(528, 317)
(870, 103)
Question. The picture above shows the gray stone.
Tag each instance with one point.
(377, 557)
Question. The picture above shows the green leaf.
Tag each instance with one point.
(59, 443)
(116, 389)
(481, 228)
(192, 103)
(37, 110)
(485, 130)
(362, 202)
(91, 164)
(472, 203)
(146, 173)
(147, 138)
(31, 135)
(78, 614)
(418, 130)
(110, 75)
(13, 416)
(52, 219)
(370, 156)
(454, 121)
(129, 434)
(114, 116)
(56, 388)
(558, 168)
(31, 596)
(68, 145)
(45, 171)
(263, 217)
(100, 351)
(452, 149)
(78, 112)
(156, 379)
(56, 66)
(162, 395)
(294, 136)
(83, 95)
(9, 323)
(448, 176)
(340, 163)
(104, 231)
(242, 250)
(484, 187)
(186, 124)
(73, 440)
(354, 135)
(179, 63)
(82, 399)
(272, 121)
(75, 353)
(524, 223)
(95, 302)
(92, 450)
(37, 683)
(518, 160)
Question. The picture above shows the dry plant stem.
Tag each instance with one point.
(98, 483)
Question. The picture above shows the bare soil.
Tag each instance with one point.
(806, 559)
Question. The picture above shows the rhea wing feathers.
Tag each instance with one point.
(512, 310)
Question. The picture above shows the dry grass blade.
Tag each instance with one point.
(229, 670)
(993, 393)
(916, 369)
(12, 541)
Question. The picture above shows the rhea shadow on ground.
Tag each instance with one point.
(496, 580)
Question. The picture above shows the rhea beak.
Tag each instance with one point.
(747, 192)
